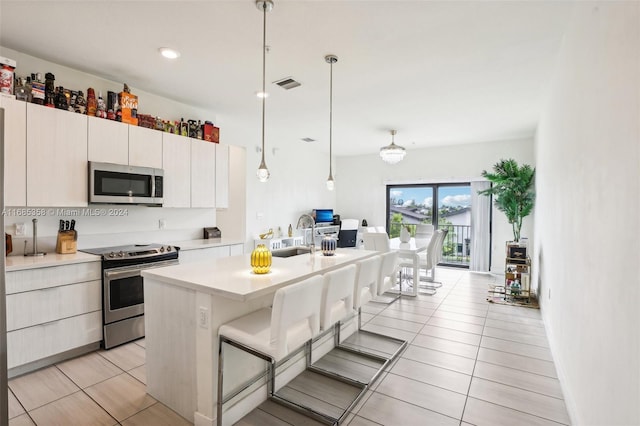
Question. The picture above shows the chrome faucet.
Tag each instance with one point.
(305, 221)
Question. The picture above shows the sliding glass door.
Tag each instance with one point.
(445, 206)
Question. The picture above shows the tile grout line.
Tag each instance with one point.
(19, 402)
(514, 387)
(389, 372)
(89, 396)
(475, 362)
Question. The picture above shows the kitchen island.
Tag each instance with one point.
(184, 307)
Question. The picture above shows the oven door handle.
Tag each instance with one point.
(134, 270)
(113, 274)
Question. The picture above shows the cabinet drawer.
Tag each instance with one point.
(34, 279)
(34, 343)
(236, 249)
(50, 304)
(197, 255)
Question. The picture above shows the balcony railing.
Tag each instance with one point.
(456, 248)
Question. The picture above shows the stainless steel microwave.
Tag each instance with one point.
(122, 184)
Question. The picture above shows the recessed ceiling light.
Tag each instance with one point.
(169, 53)
(262, 94)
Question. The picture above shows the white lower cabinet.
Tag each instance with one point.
(52, 310)
(51, 304)
(236, 249)
(196, 255)
(41, 341)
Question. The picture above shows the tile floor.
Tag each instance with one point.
(468, 363)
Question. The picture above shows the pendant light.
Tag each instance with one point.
(393, 153)
(265, 6)
(330, 59)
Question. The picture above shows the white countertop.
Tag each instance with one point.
(201, 244)
(231, 277)
(17, 263)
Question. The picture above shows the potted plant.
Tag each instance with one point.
(513, 191)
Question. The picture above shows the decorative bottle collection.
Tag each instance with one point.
(121, 106)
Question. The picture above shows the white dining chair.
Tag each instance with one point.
(430, 273)
(427, 264)
(376, 241)
(424, 231)
(388, 278)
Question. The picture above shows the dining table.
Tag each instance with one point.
(410, 250)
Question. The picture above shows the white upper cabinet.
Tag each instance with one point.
(176, 161)
(108, 141)
(203, 174)
(145, 147)
(15, 151)
(56, 157)
(222, 176)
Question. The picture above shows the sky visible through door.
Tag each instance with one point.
(414, 204)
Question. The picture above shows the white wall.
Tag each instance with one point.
(586, 230)
(361, 181)
(297, 182)
(69, 78)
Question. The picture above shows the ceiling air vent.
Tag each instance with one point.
(308, 140)
(287, 83)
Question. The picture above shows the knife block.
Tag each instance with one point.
(66, 242)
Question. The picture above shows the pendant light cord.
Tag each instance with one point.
(264, 67)
(331, 117)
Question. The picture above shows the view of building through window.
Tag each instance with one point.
(445, 206)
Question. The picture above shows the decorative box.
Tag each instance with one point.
(517, 254)
(210, 132)
(128, 108)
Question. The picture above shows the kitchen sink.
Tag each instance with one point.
(290, 251)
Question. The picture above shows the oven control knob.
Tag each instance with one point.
(161, 249)
(169, 248)
(120, 253)
(112, 254)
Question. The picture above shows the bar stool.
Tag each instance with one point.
(274, 334)
(337, 299)
(366, 287)
(364, 342)
(345, 290)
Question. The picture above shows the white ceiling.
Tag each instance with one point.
(440, 72)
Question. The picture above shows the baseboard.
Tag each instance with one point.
(569, 400)
(50, 360)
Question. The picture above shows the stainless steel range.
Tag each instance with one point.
(123, 289)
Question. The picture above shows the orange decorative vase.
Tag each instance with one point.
(261, 259)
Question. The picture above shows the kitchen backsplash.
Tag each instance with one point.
(106, 225)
